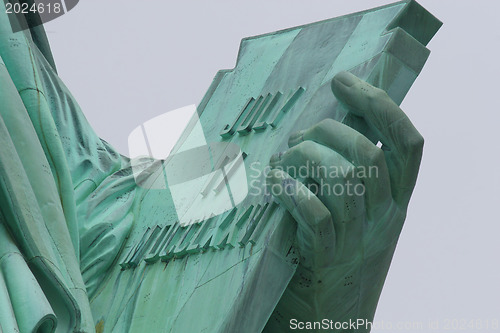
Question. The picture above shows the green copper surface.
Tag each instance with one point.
(98, 242)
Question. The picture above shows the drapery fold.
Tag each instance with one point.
(23, 305)
(48, 153)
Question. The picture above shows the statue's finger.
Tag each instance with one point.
(330, 171)
(315, 231)
(336, 186)
(371, 167)
(403, 142)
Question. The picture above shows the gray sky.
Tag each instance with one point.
(128, 61)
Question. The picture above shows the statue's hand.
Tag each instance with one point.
(349, 207)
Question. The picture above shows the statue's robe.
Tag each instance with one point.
(72, 214)
(59, 230)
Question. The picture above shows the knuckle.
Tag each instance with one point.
(326, 123)
(305, 148)
(324, 126)
(372, 154)
(416, 143)
(300, 150)
(349, 174)
(376, 96)
(376, 157)
(323, 217)
(379, 93)
(351, 178)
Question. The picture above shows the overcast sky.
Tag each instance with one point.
(128, 61)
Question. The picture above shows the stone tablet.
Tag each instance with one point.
(224, 269)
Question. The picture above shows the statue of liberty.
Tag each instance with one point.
(70, 202)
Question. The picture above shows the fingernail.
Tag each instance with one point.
(275, 159)
(295, 138)
(346, 78)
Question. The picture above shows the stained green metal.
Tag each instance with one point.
(91, 242)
